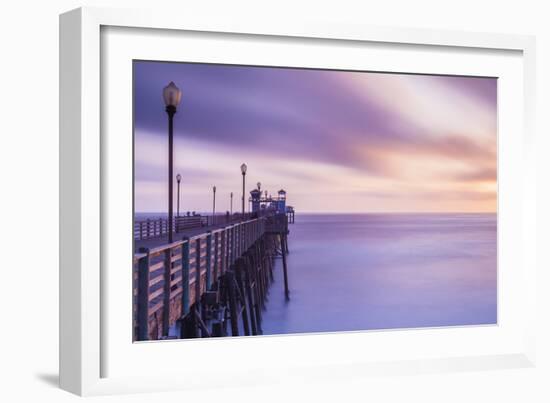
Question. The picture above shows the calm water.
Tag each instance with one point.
(382, 271)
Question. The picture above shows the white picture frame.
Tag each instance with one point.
(85, 346)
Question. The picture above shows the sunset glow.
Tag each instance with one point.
(335, 141)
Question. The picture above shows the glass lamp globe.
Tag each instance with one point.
(171, 95)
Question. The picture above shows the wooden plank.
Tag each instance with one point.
(175, 268)
(155, 308)
(158, 250)
(177, 292)
(156, 293)
(155, 280)
(138, 256)
(157, 266)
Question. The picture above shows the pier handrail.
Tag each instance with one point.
(150, 228)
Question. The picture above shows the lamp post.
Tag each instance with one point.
(214, 204)
(178, 179)
(259, 185)
(243, 171)
(231, 203)
(172, 97)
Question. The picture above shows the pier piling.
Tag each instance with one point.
(285, 271)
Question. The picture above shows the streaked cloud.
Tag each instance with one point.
(336, 141)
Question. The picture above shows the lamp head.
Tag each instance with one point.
(243, 169)
(171, 95)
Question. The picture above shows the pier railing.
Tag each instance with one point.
(171, 278)
(158, 227)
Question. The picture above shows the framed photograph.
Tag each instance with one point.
(309, 200)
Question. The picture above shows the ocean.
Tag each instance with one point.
(352, 272)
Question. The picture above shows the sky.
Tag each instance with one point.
(336, 141)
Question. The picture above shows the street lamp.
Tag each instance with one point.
(259, 185)
(214, 204)
(172, 98)
(243, 171)
(178, 178)
(231, 204)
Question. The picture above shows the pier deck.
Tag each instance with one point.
(208, 277)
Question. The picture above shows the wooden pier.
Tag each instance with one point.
(211, 284)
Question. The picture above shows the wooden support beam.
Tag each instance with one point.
(255, 293)
(230, 277)
(208, 260)
(268, 257)
(198, 276)
(250, 296)
(166, 291)
(242, 295)
(256, 265)
(143, 296)
(216, 256)
(188, 326)
(205, 332)
(185, 277)
(232, 253)
(285, 272)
